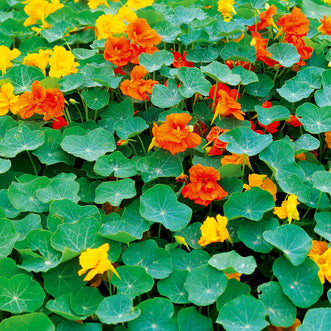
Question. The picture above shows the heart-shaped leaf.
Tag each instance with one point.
(71, 82)
(323, 226)
(294, 90)
(246, 76)
(4, 165)
(286, 54)
(57, 31)
(95, 98)
(221, 73)
(167, 30)
(188, 261)
(190, 320)
(261, 88)
(269, 115)
(159, 204)
(235, 52)
(130, 127)
(316, 319)
(166, 96)
(155, 61)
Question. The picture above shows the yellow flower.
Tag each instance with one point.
(321, 255)
(328, 2)
(62, 63)
(214, 230)
(97, 261)
(288, 209)
(263, 182)
(107, 25)
(6, 55)
(136, 4)
(8, 99)
(39, 60)
(126, 14)
(181, 241)
(95, 3)
(226, 8)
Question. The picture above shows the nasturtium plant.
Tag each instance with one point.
(165, 165)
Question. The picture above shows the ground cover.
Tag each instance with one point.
(165, 165)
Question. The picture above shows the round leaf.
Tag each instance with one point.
(190, 320)
(85, 301)
(130, 127)
(323, 226)
(316, 319)
(322, 181)
(188, 261)
(261, 88)
(27, 322)
(166, 96)
(155, 61)
(286, 54)
(95, 98)
(221, 73)
(269, 115)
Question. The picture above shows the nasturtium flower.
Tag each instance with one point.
(95, 261)
(117, 51)
(234, 275)
(293, 327)
(139, 32)
(214, 230)
(107, 25)
(58, 123)
(62, 63)
(263, 182)
(265, 19)
(295, 23)
(325, 27)
(181, 240)
(328, 138)
(8, 100)
(138, 88)
(126, 14)
(175, 135)
(321, 255)
(288, 209)
(6, 56)
(180, 60)
(203, 187)
(304, 51)
(137, 4)
(235, 159)
(39, 59)
(260, 45)
(96, 3)
(182, 178)
(294, 121)
(226, 8)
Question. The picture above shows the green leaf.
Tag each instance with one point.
(244, 140)
(261, 88)
(306, 142)
(27, 322)
(63, 279)
(76, 236)
(204, 284)
(71, 82)
(188, 261)
(294, 90)
(155, 61)
(155, 260)
(251, 234)
(233, 290)
(86, 301)
(167, 30)
(166, 96)
(64, 187)
(286, 54)
(322, 180)
(246, 76)
(291, 240)
(83, 53)
(156, 314)
(187, 15)
(13, 28)
(6, 206)
(269, 115)
(8, 237)
(193, 81)
(20, 294)
(117, 308)
(300, 283)
(323, 97)
(25, 225)
(106, 77)
(280, 309)
(130, 127)
(314, 119)
(50, 151)
(95, 98)
(191, 233)
(203, 55)
(89, 147)
(118, 111)
(232, 51)
(6, 123)
(232, 262)
(134, 281)
(8, 268)
(222, 28)
(173, 288)
(159, 204)
(4, 165)
(221, 73)
(323, 226)
(311, 75)
(315, 10)
(23, 196)
(243, 313)
(251, 204)
(160, 164)
(190, 320)
(316, 319)
(115, 192)
(61, 306)
(20, 139)
(57, 31)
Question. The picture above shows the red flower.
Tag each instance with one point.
(265, 19)
(304, 51)
(180, 60)
(262, 54)
(294, 121)
(203, 187)
(58, 123)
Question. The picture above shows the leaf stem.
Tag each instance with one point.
(318, 202)
(33, 165)
(142, 145)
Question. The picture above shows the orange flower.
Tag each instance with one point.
(139, 32)
(280, 328)
(325, 27)
(328, 138)
(137, 88)
(117, 51)
(137, 50)
(321, 255)
(47, 102)
(245, 65)
(262, 54)
(265, 19)
(304, 51)
(182, 178)
(180, 60)
(294, 121)
(203, 187)
(234, 275)
(219, 146)
(294, 23)
(236, 159)
(263, 182)
(174, 134)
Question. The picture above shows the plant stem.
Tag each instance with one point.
(318, 202)
(142, 145)
(212, 107)
(109, 284)
(33, 165)
(243, 167)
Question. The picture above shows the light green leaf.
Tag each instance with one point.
(294, 90)
(232, 262)
(159, 204)
(155, 61)
(223, 28)
(311, 75)
(187, 15)
(202, 55)
(71, 82)
(8, 237)
(322, 180)
(4, 165)
(95, 98)
(29, 322)
(57, 31)
(269, 115)
(166, 96)
(188, 261)
(190, 320)
(306, 142)
(246, 76)
(235, 52)
(221, 73)
(316, 319)
(323, 226)
(167, 30)
(286, 54)
(25, 225)
(300, 283)
(251, 204)
(83, 53)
